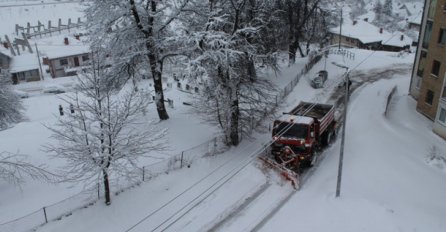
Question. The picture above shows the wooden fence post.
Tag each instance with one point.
(44, 213)
(181, 160)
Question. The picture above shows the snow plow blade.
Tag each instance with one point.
(284, 172)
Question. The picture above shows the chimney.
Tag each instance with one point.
(5, 44)
(381, 30)
(402, 37)
(46, 61)
(354, 22)
(366, 19)
(65, 41)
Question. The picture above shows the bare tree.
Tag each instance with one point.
(14, 168)
(104, 136)
(11, 109)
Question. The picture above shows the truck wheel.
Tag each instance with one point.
(328, 137)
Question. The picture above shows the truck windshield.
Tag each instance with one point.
(295, 131)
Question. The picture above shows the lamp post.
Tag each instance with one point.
(344, 121)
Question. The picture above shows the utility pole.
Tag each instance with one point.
(344, 121)
(340, 31)
(40, 64)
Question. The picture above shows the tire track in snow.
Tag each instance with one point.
(360, 79)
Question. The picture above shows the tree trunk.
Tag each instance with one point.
(235, 113)
(252, 74)
(156, 65)
(106, 187)
(292, 49)
(300, 50)
(234, 123)
(156, 68)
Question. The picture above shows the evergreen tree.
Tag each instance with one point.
(387, 8)
(378, 9)
(11, 109)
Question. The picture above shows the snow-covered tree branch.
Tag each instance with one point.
(228, 44)
(14, 168)
(104, 136)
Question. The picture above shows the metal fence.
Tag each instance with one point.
(89, 197)
(290, 86)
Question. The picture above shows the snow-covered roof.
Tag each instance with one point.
(396, 40)
(5, 51)
(416, 19)
(363, 31)
(23, 63)
(54, 47)
(65, 51)
(414, 8)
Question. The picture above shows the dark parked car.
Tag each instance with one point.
(319, 80)
(54, 89)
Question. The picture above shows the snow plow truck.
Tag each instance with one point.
(297, 136)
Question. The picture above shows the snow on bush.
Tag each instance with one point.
(436, 158)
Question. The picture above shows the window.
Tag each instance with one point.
(444, 92)
(427, 34)
(421, 64)
(442, 116)
(429, 97)
(432, 8)
(63, 62)
(21, 76)
(85, 57)
(436, 68)
(442, 36)
(418, 82)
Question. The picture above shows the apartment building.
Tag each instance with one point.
(428, 85)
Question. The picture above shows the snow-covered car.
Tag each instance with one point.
(319, 80)
(21, 94)
(55, 89)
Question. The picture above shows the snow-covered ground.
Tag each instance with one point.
(394, 166)
(388, 183)
(11, 13)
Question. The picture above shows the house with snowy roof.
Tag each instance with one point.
(397, 42)
(24, 68)
(5, 61)
(364, 35)
(20, 68)
(67, 59)
(414, 22)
